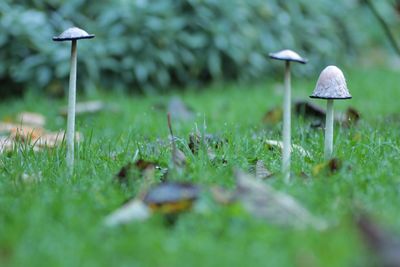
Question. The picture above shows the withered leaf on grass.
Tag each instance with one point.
(262, 201)
(133, 210)
(210, 140)
(261, 170)
(178, 157)
(273, 116)
(179, 110)
(88, 107)
(275, 144)
(222, 195)
(384, 244)
(31, 119)
(171, 197)
(329, 167)
(146, 170)
(311, 111)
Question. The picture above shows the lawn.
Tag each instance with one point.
(51, 220)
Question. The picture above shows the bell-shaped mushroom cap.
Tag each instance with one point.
(73, 33)
(288, 55)
(331, 84)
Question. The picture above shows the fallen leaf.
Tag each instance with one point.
(171, 197)
(179, 110)
(144, 167)
(273, 144)
(318, 115)
(31, 119)
(349, 118)
(178, 157)
(261, 170)
(329, 167)
(273, 116)
(26, 133)
(88, 107)
(222, 196)
(211, 141)
(384, 244)
(134, 210)
(262, 201)
(7, 127)
(309, 110)
(53, 139)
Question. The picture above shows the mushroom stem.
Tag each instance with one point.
(329, 130)
(71, 109)
(286, 124)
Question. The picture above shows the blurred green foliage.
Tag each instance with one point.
(150, 45)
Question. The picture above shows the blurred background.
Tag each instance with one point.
(148, 46)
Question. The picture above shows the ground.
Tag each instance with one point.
(59, 221)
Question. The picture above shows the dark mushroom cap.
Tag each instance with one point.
(71, 34)
(171, 192)
(331, 84)
(288, 55)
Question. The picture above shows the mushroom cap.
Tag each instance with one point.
(71, 34)
(331, 84)
(288, 55)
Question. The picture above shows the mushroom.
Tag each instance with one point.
(288, 56)
(72, 34)
(331, 85)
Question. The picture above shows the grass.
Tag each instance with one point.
(59, 221)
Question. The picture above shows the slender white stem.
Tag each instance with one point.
(329, 130)
(71, 110)
(286, 125)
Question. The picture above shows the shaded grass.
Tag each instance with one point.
(58, 221)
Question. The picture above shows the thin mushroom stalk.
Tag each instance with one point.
(286, 124)
(287, 56)
(331, 85)
(328, 150)
(72, 34)
(71, 109)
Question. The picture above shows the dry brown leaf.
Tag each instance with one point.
(26, 133)
(171, 197)
(87, 107)
(134, 210)
(273, 144)
(179, 110)
(7, 127)
(222, 196)
(384, 244)
(261, 170)
(31, 119)
(309, 110)
(273, 116)
(178, 157)
(262, 201)
(329, 167)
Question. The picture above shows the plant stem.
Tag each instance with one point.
(71, 109)
(286, 125)
(329, 130)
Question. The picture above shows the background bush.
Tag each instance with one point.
(151, 45)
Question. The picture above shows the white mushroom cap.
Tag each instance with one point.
(288, 55)
(73, 33)
(331, 84)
